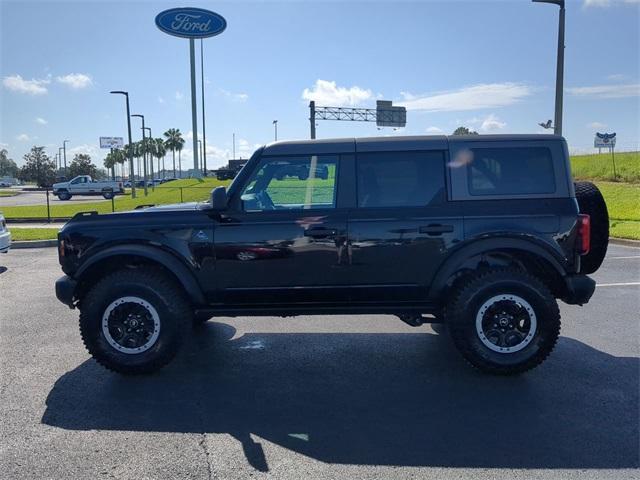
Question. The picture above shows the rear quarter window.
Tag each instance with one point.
(510, 171)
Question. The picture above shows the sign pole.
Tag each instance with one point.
(613, 159)
(204, 134)
(194, 113)
(312, 118)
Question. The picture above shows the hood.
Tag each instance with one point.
(173, 207)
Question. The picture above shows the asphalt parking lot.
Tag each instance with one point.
(40, 198)
(317, 397)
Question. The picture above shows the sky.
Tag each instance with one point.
(487, 65)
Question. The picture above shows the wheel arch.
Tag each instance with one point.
(528, 255)
(136, 256)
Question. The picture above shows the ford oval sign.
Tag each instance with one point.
(190, 22)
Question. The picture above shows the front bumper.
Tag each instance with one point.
(65, 290)
(5, 241)
(579, 289)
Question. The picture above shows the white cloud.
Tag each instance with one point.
(16, 83)
(238, 97)
(160, 100)
(435, 130)
(491, 124)
(329, 94)
(597, 126)
(76, 81)
(23, 137)
(606, 91)
(179, 95)
(41, 121)
(616, 76)
(607, 3)
(475, 97)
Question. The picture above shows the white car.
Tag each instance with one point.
(5, 236)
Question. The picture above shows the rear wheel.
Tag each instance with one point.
(64, 196)
(107, 195)
(591, 202)
(134, 321)
(503, 321)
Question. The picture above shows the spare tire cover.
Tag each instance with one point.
(591, 202)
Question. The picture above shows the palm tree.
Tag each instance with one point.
(173, 137)
(179, 145)
(160, 151)
(110, 163)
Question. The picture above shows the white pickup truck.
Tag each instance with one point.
(85, 185)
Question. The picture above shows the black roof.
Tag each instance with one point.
(417, 142)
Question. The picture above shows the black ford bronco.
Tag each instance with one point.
(481, 234)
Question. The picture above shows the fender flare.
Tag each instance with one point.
(476, 247)
(178, 268)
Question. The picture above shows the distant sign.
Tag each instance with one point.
(389, 116)
(189, 22)
(604, 140)
(111, 142)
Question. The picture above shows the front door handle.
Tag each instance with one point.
(320, 232)
(436, 229)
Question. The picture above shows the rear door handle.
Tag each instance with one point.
(320, 232)
(436, 229)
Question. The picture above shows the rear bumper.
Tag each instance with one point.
(579, 289)
(65, 290)
(5, 241)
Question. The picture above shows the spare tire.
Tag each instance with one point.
(591, 202)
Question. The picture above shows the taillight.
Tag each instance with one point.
(584, 234)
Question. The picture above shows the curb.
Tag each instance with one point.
(37, 220)
(625, 242)
(34, 244)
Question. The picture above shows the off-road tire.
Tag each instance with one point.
(64, 196)
(465, 302)
(153, 286)
(591, 202)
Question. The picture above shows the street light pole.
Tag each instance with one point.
(275, 126)
(557, 123)
(132, 179)
(64, 150)
(312, 118)
(60, 158)
(144, 155)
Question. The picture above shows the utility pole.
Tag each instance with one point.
(275, 135)
(312, 118)
(64, 150)
(557, 123)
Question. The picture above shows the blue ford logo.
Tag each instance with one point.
(190, 22)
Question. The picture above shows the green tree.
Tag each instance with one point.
(38, 167)
(464, 131)
(81, 165)
(173, 141)
(8, 167)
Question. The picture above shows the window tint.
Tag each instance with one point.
(510, 171)
(400, 179)
(292, 183)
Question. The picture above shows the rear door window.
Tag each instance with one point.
(400, 179)
(510, 171)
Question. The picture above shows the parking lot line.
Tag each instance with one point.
(625, 284)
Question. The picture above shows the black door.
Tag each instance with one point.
(403, 226)
(286, 242)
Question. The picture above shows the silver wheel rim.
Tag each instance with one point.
(131, 325)
(506, 323)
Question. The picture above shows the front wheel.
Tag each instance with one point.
(134, 321)
(64, 196)
(107, 195)
(503, 321)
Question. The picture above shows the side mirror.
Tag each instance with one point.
(219, 198)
